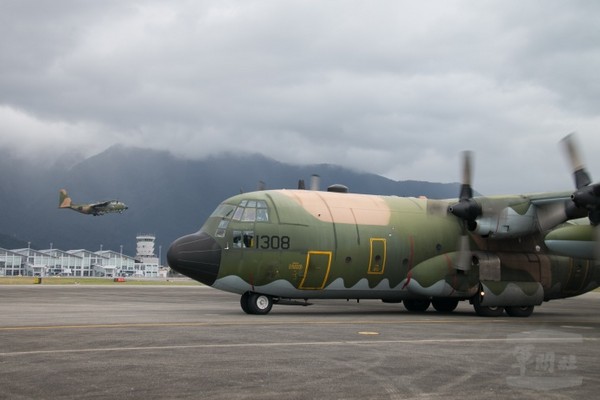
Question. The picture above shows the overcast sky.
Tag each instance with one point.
(397, 88)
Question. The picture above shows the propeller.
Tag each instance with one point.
(582, 178)
(587, 194)
(467, 210)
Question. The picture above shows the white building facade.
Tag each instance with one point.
(11, 263)
(79, 263)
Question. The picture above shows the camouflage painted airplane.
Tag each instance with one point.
(501, 253)
(111, 206)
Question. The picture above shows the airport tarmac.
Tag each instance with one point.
(105, 342)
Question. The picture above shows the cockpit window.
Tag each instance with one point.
(251, 210)
(262, 215)
(223, 211)
(249, 215)
(238, 213)
(243, 239)
(246, 211)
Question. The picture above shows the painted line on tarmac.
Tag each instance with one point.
(239, 323)
(261, 322)
(298, 344)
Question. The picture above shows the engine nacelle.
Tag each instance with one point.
(577, 241)
(507, 224)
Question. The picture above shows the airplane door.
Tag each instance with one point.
(377, 256)
(316, 271)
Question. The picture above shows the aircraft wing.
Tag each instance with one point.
(553, 209)
(502, 217)
(101, 205)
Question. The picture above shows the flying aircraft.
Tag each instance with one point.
(503, 254)
(103, 207)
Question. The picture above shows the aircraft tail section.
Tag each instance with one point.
(64, 201)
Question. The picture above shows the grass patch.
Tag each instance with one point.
(30, 280)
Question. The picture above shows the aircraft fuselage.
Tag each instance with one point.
(298, 244)
(112, 206)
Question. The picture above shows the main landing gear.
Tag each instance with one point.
(443, 305)
(519, 311)
(261, 304)
(496, 311)
(512, 311)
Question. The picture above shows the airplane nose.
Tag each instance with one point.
(197, 255)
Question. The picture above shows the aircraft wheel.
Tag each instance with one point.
(444, 305)
(258, 303)
(417, 305)
(519, 311)
(244, 302)
(488, 311)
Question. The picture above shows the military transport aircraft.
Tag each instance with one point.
(501, 253)
(103, 207)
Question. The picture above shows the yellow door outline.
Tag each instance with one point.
(314, 268)
(376, 258)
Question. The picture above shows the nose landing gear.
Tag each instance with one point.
(256, 304)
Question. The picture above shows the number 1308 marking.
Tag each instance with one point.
(273, 242)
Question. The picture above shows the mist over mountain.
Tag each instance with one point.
(167, 196)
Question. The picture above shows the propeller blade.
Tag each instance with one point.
(581, 176)
(466, 192)
(587, 195)
(463, 261)
(467, 210)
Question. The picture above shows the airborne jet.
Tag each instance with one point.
(111, 206)
(501, 253)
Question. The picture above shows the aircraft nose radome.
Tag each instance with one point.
(197, 255)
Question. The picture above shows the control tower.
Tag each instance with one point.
(147, 264)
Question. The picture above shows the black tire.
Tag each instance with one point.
(258, 304)
(244, 302)
(519, 311)
(489, 311)
(444, 305)
(416, 305)
(486, 311)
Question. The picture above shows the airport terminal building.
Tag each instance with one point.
(81, 263)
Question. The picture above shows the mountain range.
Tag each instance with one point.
(167, 196)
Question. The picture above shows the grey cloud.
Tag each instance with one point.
(393, 87)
